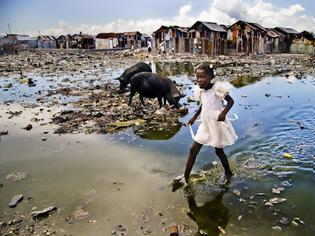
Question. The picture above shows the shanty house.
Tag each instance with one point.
(133, 39)
(246, 37)
(208, 38)
(288, 36)
(180, 39)
(82, 41)
(64, 41)
(20, 42)
(171, 38)
(304, 43)
(162, 37)
(110, 41)
(144, 40)
(274, 40)
(46, 41)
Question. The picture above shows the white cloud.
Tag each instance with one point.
(184, 10)
(233, 8)
(292, 10)
(222, 12)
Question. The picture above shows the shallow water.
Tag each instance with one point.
(123, 178)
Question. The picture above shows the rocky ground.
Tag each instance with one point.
(67, 62)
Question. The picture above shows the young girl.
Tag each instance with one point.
(215, 130)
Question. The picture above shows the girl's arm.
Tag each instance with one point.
(229, 105)
(192, 120)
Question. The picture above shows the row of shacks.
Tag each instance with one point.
(201, 38)
(239, 38)
(103, 41)
(78, 41)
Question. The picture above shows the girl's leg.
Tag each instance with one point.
(225, 163)
(194, 150)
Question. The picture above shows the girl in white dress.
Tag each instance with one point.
(215, 130)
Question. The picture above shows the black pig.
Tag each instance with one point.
(124, 79)
(151, 85)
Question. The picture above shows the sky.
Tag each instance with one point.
(56, 17)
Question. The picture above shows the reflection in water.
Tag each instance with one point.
(174, 68)
(160, 135)
(210, 216)
(244, 80)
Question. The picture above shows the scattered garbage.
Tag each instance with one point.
(16, 176)
(4, 133)
(15, 200)
(277, 190)
(28, 127)
(237, 192)
(173, 229)
(287, 155)
(277, 228)
(296, 221)
(43, 213)
(286, 184)
(124, 124)
(221, 230)
(274, 201)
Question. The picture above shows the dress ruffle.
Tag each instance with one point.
(222, 88)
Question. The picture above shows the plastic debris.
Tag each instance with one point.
(277, 190)
(297, 221)
(221, 230)
(173, 230)
(15, 200)
(123, 124)
(286, 184)
(237, 192)
(285, 221)
(44, 212)
(287, 155)
(276, 200)
(277, 228)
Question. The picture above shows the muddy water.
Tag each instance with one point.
(123, 179)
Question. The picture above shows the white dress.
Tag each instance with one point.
(212, 132)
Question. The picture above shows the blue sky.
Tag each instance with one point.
(95, 16)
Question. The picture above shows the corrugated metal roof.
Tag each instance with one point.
(287, 30)
(183, 29)
(179, 28)
(86, 36)
(46, 37)
(162, 28)
(272, 33)
(224, 26)
(258, 26)
(66, 36)
(307, 35)
(244, 22)
(107, 35)
(213, 26)
(132, 33)
(24, 38)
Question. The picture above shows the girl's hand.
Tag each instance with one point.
(221, 117)
(191, 121)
